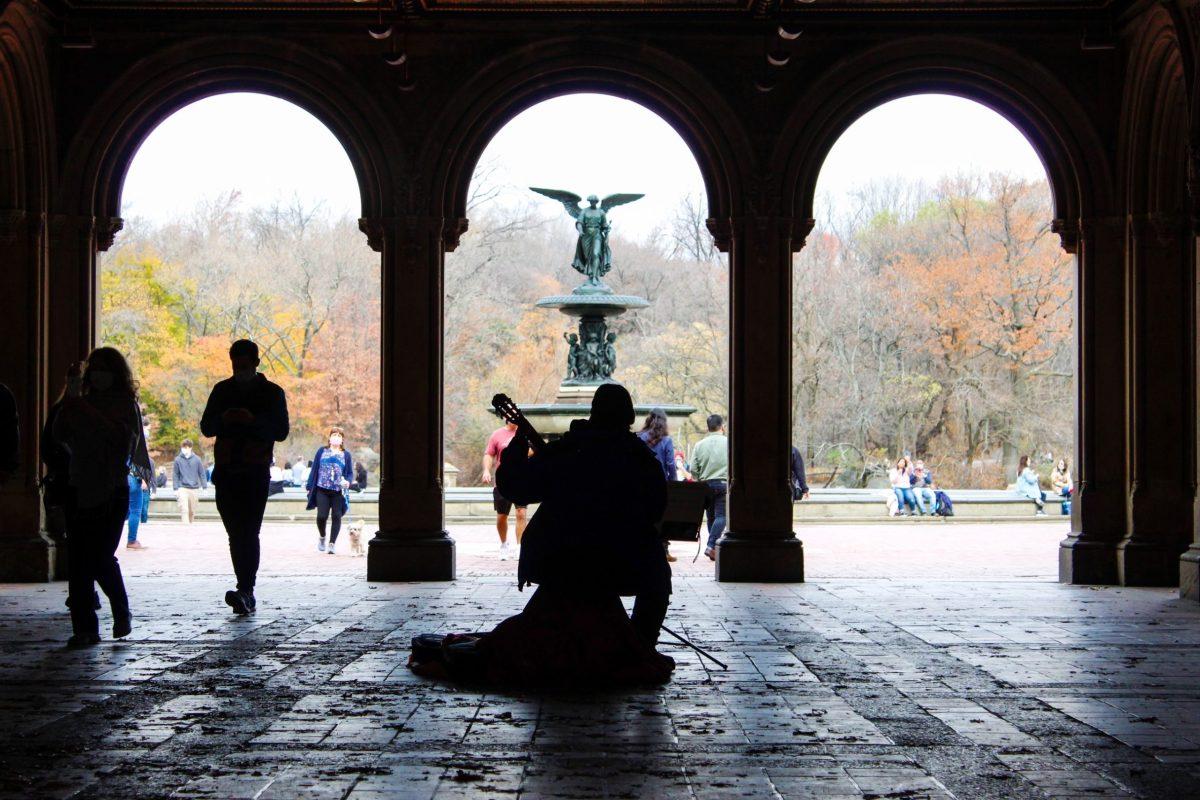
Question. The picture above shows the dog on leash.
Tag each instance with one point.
(355, 530)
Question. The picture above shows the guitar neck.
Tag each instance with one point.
(525, 427)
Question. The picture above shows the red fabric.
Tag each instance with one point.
(499, 440)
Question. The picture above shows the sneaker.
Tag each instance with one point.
(135, 545)
(504, 551)
(237, 602)
(711, 553)
(250, 601)
(1040, 513)
(122, 625)
(330, 548)
(321, 545)
(83, 640)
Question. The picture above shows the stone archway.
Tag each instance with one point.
(1160, 268)
(27, 147)
(1080, 175)
(759, 545)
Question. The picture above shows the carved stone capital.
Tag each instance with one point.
(722, 232)
(1068, 234)
(106, 231)
(14, 225)
(1157, 228)
(452, 231)
(771, 227)
(1110, 227)
(376, 231)
(65, 227)
(412, 230)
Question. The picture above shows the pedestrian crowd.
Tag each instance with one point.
(99, 476)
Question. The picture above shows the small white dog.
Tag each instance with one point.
(355, 530)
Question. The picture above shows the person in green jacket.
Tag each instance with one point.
(710, 466)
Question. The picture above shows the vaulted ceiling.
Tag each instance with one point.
(789, 8)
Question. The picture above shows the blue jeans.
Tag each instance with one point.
(134, 517)
(905, 497)
(714, 509)
(926, 499)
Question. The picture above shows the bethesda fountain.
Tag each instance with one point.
(591, 348)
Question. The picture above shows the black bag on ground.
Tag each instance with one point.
(944, 508)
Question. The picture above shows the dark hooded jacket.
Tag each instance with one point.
(601, 493)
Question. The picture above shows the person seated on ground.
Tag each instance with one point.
(592, 540)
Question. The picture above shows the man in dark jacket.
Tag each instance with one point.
(601, 493)
(247, 414)
(799, 484)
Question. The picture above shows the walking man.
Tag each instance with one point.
(500, 439)
(247, 414)
(710, 466)
(187, 479)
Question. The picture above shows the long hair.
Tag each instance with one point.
(1063, 465)
(656, 425)
(111, 360)
(1022, 464)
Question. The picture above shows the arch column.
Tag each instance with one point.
(70, 297)
(1189, 562)
(1098, 514)
(412, 543)
(25, 553)
(760, 544)
(1161, 409)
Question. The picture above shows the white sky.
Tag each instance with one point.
(272, 150)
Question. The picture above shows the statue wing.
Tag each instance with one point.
(614, 200)
(569, 200)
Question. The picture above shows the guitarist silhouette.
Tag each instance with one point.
(593, 539)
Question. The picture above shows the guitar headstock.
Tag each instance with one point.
(506, 408)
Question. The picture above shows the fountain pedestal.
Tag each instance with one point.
(591, 358)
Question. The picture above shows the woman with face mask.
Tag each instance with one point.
(328, 482)
(100, 425)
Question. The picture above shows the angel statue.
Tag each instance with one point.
(592, 255)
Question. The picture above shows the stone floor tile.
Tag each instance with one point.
(842, 688)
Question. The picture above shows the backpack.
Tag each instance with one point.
(943, 506)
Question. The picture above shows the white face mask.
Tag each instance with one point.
(100, 379)
(187, 452)
(244, 375)
(335, 441)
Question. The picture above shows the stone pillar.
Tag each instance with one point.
(1189, 562)
(1161, 429)
(1088, 555)
(412, 543)
(759, 543)
(25, 553)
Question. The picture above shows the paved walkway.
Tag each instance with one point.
(837, 688)
(889, 549)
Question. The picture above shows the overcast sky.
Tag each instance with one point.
(269, 149)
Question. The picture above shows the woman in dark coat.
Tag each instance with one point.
(99, 424)
(657, 437)
(328, 481)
